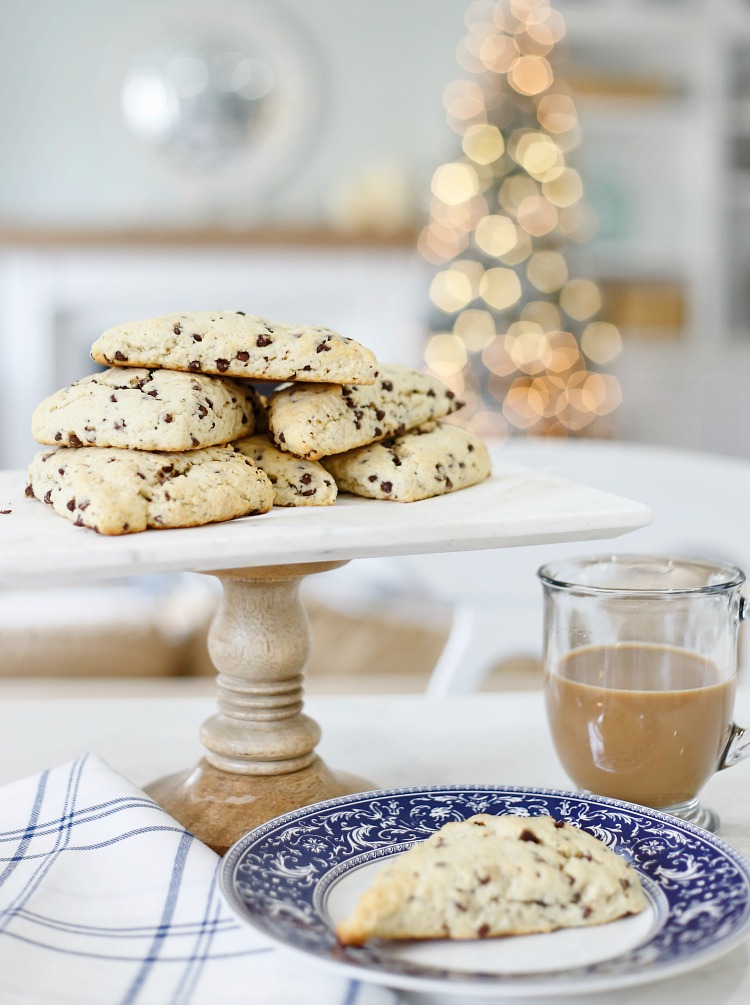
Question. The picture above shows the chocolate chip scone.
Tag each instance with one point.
(430, 460)
(146, 410)
(296, 482)
(117, 491)
(495, 875)
(238, 345)
(319, 420)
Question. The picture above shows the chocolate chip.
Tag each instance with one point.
(222, 365)
(197, 338)
(527, 835)
(306, 478)
(28, 491)
(120, 423)
(194, 366)
(241, 312)
(58, 436)
(71, 504)
(5, 512)
(61, 471)
(322, 348)
(430, 393)
(386, 486)
(282, 438)
(48, 497)
(386, 385)
(177, 329)
(168, 417)
(450, 394)
(263, 340)
(74, 441)
(470, 447)
(154, 393)
(372, 478)
(196, 443)
(78, 522)
(559, 823)
(379, 414)
(112, 397)
(483, 931)
(202, 412)
(309, 492)
(243, 355)
(119, 356)
(307, 367)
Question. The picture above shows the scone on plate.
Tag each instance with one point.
(430, 460)
(495, 875)
(145, 409)
(116, 491)
(318, 420)
(236, 344)
(296, 482)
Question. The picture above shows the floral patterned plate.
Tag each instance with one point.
(297, 876)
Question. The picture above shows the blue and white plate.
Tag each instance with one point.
(297, 876)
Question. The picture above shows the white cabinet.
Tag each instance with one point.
(663, 93)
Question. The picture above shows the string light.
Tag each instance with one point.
(516, 336)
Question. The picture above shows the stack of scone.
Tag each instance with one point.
(174, 433)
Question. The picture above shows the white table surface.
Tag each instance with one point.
(515, 506)
(393, 740)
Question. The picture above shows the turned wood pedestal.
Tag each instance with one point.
(260, 757)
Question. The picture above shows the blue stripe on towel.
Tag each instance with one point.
(178, 870)
(61, 840)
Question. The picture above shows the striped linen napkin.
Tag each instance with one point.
(106, 900)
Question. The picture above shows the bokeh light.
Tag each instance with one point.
(518, 338)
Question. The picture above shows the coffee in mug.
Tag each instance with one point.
(640, 666)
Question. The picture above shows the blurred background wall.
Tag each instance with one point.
(302, 189)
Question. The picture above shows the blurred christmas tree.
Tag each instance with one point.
(513, 333)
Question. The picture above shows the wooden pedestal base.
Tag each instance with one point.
(260, 756)
(219, 807)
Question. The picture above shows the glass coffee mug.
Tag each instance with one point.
(640, 667)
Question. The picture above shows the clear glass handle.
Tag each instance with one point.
(735, 750)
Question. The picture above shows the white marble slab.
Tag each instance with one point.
(516, 506)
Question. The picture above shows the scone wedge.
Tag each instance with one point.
(296, 482)
(430, 460)
(492, 876)
(236, 344)
(317, 420)
(115, 491)
(141, 409)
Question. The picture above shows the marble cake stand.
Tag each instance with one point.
(260, 757)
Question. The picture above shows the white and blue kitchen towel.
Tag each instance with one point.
(106, 900)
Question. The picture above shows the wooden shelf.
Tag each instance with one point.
(50, 237)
